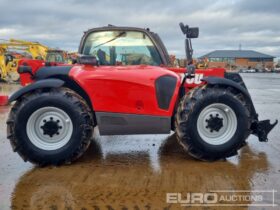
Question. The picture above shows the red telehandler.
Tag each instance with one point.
(123, 83)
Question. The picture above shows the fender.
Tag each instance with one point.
(52, 71)
(235, 85)
(46, 83)
(227, 82)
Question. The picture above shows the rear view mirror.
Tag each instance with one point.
(193, 32)
(87, 60)
(189, 32)
(74, 60)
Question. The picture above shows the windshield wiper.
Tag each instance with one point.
(116, 37)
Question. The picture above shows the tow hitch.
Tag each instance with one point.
(262, 128)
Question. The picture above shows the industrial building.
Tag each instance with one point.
(239, 59)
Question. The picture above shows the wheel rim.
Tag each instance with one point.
(49, 128)
(216, 124)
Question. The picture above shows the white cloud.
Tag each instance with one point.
(223, 24)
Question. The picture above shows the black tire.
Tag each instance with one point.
(187, 116)
(63, 99)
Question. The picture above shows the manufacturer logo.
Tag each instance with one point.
(196, 79)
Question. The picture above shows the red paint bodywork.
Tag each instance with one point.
(124, 89)
(127, 89)
(131, 89)
(3, 100)
(26, 78)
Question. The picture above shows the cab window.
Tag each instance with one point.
(121, 48)
(55, 57)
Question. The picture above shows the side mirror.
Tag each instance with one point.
(74, 60)
(189, 32)
(87, 60)
(183, 28)
(193, 32)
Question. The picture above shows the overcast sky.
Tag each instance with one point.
(224, 24)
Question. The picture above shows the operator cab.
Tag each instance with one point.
(56, 56)
(124, 46)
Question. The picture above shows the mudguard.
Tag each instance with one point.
(52, 71)
(235, 85)
(227, 82)
(46, 83)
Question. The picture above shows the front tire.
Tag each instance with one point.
(212, 122)
(50, 127)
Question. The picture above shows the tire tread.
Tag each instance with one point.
(82, 108)
(186, 108)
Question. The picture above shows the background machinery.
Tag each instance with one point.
(13, 50)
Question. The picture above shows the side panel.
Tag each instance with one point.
(123, 124)
(165, 86)
(199, 75)
(126, 89)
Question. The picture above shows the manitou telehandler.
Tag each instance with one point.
(122, 83)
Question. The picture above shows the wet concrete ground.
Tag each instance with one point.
(136, 172)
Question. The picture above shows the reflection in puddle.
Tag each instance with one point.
(132, 144)
(133, 172)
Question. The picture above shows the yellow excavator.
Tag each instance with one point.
(33, 50)
(42, 52)
(8, 65)
(37, 50)
(202, 63)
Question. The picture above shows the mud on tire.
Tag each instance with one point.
(37, 148)
(197, 134)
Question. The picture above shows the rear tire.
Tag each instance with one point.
(50, 128)
(212, 122)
